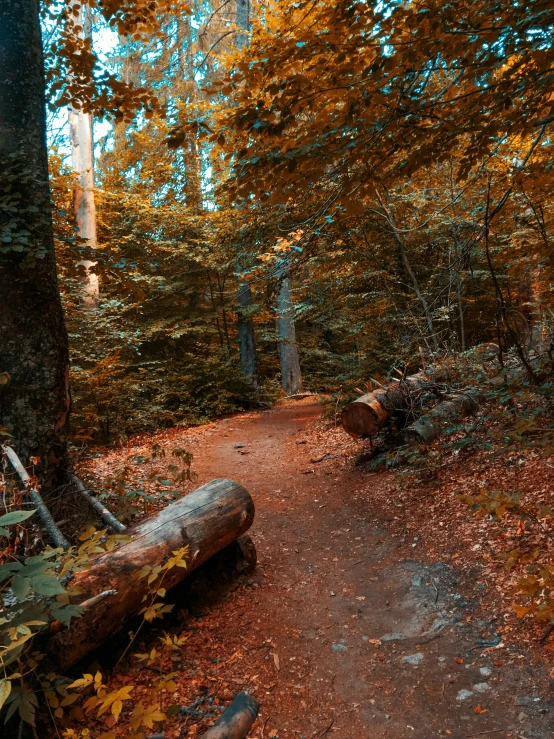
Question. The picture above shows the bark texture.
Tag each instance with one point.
(291, 375)
(34, 404)
(243, 21)
(236, 721)
(430, 426)
(207, 521)
(105, 515)
(368, 414)
(247, 345)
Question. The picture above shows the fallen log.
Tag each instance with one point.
(207, 520)
(431, 425)
(367, 415)
(236, 721)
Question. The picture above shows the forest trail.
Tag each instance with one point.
(342, 631)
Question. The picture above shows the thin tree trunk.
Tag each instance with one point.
(247, 346)
(530, 309)
(243, 22)
(82, 160)
(126, 73)
(291, 376)
(247, 342)
(34, 404)
(193, 167)
(406, 262)
(458, 255)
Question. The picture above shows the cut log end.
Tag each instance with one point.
(367, 415)
(236, 721)
(364, 416)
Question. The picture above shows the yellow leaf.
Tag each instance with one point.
(5, 690)
(82, 682)
(151, 715)
(69, 699)
(116, 708)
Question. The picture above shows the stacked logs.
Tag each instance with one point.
(430, 426)
(370, 413)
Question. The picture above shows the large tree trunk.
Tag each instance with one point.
(207, 521)
(34, 403)
(368, 414)
(82, 161)
(291, 375)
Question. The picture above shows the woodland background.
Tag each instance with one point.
(426, 242)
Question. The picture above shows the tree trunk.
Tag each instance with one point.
(34, 404)
(243, 22)
(193, 164)
(207, 520)
(291, 376)
(430, 426)
(247, 346)
(389, 213)
(82, 161)
(530, 309)
(369, 414)
(236, 721)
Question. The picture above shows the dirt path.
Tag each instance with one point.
(345, 630)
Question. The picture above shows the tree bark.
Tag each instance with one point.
(193, 165)
(369, 414)
(207, 521)
(105, 515)
(430, 426)
(236, 721)
(34, 404)
(247, 346)
(243, 22)
(530, 309)
(291, 375)
(82, 161)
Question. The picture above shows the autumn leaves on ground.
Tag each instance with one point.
(377, 609)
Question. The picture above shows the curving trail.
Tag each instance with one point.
(342, 631)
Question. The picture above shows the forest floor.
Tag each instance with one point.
(373, 611)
